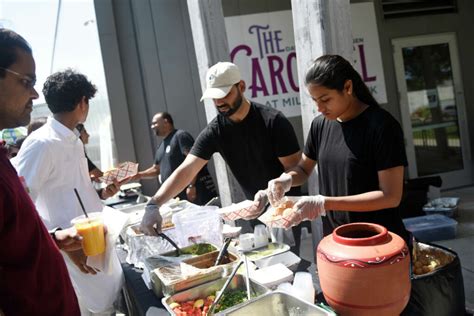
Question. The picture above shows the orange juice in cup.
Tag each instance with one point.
(92, 231)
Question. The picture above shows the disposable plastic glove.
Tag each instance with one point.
(307, 208)
(151, 218)
(259, 201)
(278, 187)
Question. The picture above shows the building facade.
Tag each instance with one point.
(420, 67)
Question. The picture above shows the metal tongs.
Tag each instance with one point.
(226, 284)
(223, 251)
(162, 235)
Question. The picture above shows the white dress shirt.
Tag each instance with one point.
(53, 163)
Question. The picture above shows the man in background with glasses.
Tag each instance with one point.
(34, 277)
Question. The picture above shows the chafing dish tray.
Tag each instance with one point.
(175, 276)
(276, 304)
(204, 290)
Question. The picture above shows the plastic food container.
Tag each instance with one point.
(272, 276)
(444, 206)
(288, 259)
(431, 227)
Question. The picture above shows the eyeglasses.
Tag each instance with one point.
(27, 81)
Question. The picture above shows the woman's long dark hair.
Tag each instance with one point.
(332, 72)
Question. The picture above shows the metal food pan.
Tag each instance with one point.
(207, 260)
(162, 286)
(161, 289)
(172, 253)
(210, 288)
(276, 303)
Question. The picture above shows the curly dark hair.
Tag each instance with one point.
(9, 43)
(63, 90)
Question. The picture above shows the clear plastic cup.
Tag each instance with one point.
(246, 241)
(286, 287)
(303, 283)
(260, 236)
(92, 231)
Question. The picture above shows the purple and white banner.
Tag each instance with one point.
(263, 46)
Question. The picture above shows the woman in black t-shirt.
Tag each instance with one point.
(359, 150)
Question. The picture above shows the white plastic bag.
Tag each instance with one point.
(98, 292)
(202, 224)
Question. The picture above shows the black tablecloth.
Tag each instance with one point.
(137, 295)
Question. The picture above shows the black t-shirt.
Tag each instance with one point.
(171, 153)
(349, 155)
(90, 165)
(251, 147)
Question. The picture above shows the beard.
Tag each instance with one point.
(232, 108)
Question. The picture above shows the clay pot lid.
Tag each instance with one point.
(360, 234)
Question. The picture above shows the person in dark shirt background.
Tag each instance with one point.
(94, 171)
(170, 154)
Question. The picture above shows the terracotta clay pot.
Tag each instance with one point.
(364, 270)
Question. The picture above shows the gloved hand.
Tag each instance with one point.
(278, 187)
(151, 218)
(259, 201)
(307, 208)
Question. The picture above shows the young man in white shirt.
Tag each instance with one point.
(53, 163)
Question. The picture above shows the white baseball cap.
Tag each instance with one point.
(219, 80)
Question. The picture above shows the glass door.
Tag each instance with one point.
(432, 107)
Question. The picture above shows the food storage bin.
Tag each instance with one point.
(431, 227)
(444, 206)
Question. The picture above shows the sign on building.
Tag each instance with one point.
(263, 46)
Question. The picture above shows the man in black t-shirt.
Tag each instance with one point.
(257, 142)
(170, 154)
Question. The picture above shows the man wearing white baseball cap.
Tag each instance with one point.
(219, 79)
(257, 142)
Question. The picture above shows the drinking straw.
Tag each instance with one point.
(80, 202)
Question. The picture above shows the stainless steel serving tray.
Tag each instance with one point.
(276, 304)
(266, 251)
(210, 288)
(163, 285)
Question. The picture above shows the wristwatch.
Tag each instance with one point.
(53, 231)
